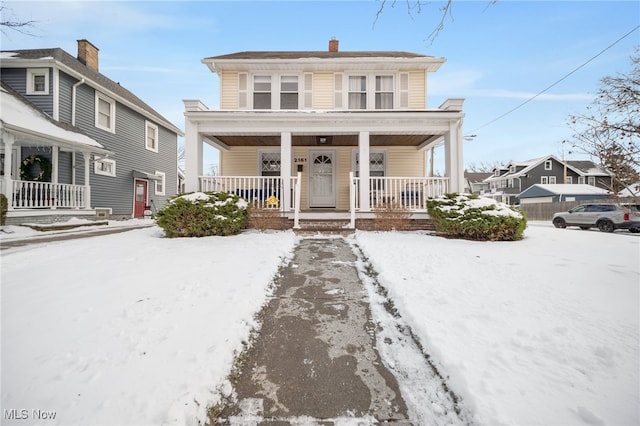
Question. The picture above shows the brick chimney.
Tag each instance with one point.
(333, 44)
(88, 54)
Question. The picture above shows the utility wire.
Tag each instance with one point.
(558, 81)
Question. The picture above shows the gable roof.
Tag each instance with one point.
(100, 81)
(588, 167)
(19, 115)
(475, 177)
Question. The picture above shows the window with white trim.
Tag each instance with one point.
(270, 164)
(357, 92)
(104, 166)
(105, 113)
(548, 164)
(262, 92)
(38, 81)
(289, 92)
(569, 180)
(512, 169)
(377, 163)
(552, 179)
(151, 137)
(544, 180)
(591, 180)
(384, 92)
(160, 184)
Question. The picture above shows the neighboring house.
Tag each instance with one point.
(476, 182)
(515, 177)
(631, 191)
(293, 126)
(555, 193)
(118, 157)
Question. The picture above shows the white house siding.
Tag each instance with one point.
(229, 90)
(417, 90)
(323, 90)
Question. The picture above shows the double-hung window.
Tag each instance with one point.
(289, 92)
(357, 92)
(105, 113)
(151, 137)
(104, 166)
(384, 92)
(548, 164)
(262, 92)
(38, 81)
(160, 183)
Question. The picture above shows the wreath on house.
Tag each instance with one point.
(35, 168)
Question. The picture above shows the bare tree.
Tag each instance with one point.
(483, 167)
(609, 130)
(22, 27)
(416, 7)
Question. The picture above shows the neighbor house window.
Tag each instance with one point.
(104, 166)
(160, 183)
(581, 180)
(270, 163)
(357, 92)
(151, 137)
(289, 92)
(591, 180)
(262, 92)
(512, 169)
(105, 113)
(38, 81)
(496, 173)
(569, 180)
(544, 180)
(552, 179)
(547, 165)
(384, 92)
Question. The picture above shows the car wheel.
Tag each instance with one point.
(605, 226)
(585, 227)
(559, 222)
(634, 230)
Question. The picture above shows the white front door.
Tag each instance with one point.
(322, 188)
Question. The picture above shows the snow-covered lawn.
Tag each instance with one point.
(134, 328)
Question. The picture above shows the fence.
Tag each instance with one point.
(545, 211)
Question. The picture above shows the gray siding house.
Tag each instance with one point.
(131, 167)
(512, 179)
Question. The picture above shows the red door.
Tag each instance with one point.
(140, 201)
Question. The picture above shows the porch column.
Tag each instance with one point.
(453, 151)
(8, 139)
(192, 156)
(285, 169)
(86, 156)
(363, 153)
(55, 151)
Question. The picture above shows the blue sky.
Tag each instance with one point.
(498, 55)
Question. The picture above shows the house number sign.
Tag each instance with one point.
(299, 160)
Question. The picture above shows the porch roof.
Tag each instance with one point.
(18, 116)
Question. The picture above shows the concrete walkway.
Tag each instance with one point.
(315, 360)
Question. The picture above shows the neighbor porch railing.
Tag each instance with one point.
(410, 193)
(36, 195)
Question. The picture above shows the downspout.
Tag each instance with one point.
(73, 123)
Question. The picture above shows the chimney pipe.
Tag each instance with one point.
(333, 44)
(88, 54)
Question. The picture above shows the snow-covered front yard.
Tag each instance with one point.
(134, 328)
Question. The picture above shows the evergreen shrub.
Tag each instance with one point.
(203, 214)
(4, 206)
(468, 216)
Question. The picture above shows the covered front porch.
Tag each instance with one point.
(307, 164)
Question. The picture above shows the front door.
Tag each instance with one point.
(322, 188)
(140, 200)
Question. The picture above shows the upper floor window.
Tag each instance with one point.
(262, 92)
(512, 169)
(104, 166)
(357, 92)
(151, 137)
(384, 92)
(581, 180)
(496, 173)
(569, 180)
(591, 180)
(105, 113)
(38, 81)
(160, 183)
(548, 164)
(289, 92)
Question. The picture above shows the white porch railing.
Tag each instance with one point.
(409, 193)
(263, 191)
(34, 195)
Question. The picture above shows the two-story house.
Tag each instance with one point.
(116, 156)
(509, 180)
(293, 126)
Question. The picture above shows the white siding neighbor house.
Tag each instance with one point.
(293, 126)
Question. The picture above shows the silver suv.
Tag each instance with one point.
(607, 217)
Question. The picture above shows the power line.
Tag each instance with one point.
(558, 81)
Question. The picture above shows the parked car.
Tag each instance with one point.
(607, 217)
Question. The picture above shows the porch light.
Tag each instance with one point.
(323, 140)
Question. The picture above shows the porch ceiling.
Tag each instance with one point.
(332, 140)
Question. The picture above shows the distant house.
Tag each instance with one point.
(116, 156)
(515, 177)
(554, 193)
(325, 133)
(476, 182)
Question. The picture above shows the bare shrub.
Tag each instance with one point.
(391, 217)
